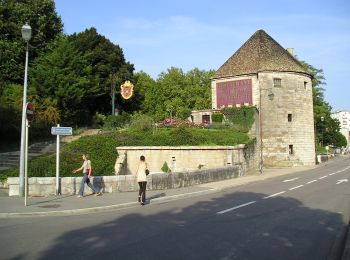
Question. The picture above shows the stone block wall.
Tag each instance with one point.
(185, 158)
(45, 186)
(293, 97)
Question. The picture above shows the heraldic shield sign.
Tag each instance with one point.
(127, 89)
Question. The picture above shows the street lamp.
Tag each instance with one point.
(26, 35)
(322, 119)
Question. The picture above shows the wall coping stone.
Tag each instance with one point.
(214, 147)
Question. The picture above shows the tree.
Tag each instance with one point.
(45, 23)
(106, 60)
(46, 26)
(327, 128)
(75, 75)
(64, 76)
(178, 93)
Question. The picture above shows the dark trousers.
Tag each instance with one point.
(142, 191)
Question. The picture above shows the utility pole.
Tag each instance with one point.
(113, 94)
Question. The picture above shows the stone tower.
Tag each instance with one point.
(263, 74)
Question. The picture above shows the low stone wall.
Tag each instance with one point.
(45, 186)
(185, 158)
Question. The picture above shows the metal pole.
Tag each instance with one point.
(57, 162)
(23, 129)
(113, 96)
(26, 167)
(260, 134)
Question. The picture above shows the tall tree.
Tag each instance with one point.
(45, 23)
(75, 77)
(106, 60)
(327, 128)
(176, 93)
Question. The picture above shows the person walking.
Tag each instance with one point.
(87, 171)
(141, 179)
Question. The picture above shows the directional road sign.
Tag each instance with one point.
(61, 131)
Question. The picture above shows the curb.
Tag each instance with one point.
(69, 212)
(73, 212)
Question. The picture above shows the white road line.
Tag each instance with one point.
(296, 187)
(332, 173)
(237, 207)
(323, 177)
(273, 195)
(311, 181)
(290, 180)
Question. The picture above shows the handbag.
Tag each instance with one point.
(147, 172)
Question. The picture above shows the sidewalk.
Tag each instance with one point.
(13, 207)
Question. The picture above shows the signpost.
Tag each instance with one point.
(59, 131)
(29, 118)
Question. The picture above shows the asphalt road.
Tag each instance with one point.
(299, 216)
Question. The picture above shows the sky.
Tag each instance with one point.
(156, 35)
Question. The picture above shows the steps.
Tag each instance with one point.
(11, 159)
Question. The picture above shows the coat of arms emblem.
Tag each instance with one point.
(127, 89)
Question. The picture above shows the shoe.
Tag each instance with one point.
(79, 196)
(98, 194)
(139, 199)
(142, 203)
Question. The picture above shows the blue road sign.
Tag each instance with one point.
(61, 131)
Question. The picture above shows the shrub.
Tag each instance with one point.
(102, 148)
(141, 122)
(116, 122)
(165, 168)
(217, 118)
(98, 119)
(242, 118)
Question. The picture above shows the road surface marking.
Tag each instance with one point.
(296, 187)
(332, 173)
(290, 180)
(273, 195)
(323, 177)
(237, 207)
(311, 181)
(341, 181)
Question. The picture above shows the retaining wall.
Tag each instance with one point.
(45, 186)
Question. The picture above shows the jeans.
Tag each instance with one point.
(142, 190)
(87, 181)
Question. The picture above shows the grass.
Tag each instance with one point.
(102, 148)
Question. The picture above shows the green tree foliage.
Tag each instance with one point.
(176, 93)
(106, 59)
(45, 23)
(327, 128)
(46, 26)
(64, 76)
(76, 75)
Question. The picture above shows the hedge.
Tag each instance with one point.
(102, 148)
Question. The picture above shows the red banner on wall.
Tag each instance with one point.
(234, 92)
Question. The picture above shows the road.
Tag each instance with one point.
(299, 216)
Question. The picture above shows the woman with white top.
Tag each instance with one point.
(142, 179)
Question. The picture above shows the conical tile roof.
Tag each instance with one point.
(259, 53)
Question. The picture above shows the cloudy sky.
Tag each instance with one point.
(158, 34)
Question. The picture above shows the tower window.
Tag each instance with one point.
(305, 84)
(291, 150)
(277, 82)
(290, 117)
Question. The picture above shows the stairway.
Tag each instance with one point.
(11, 159)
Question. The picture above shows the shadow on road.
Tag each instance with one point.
(275, 228)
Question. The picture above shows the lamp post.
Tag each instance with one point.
(322, 119)
(26, 35)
